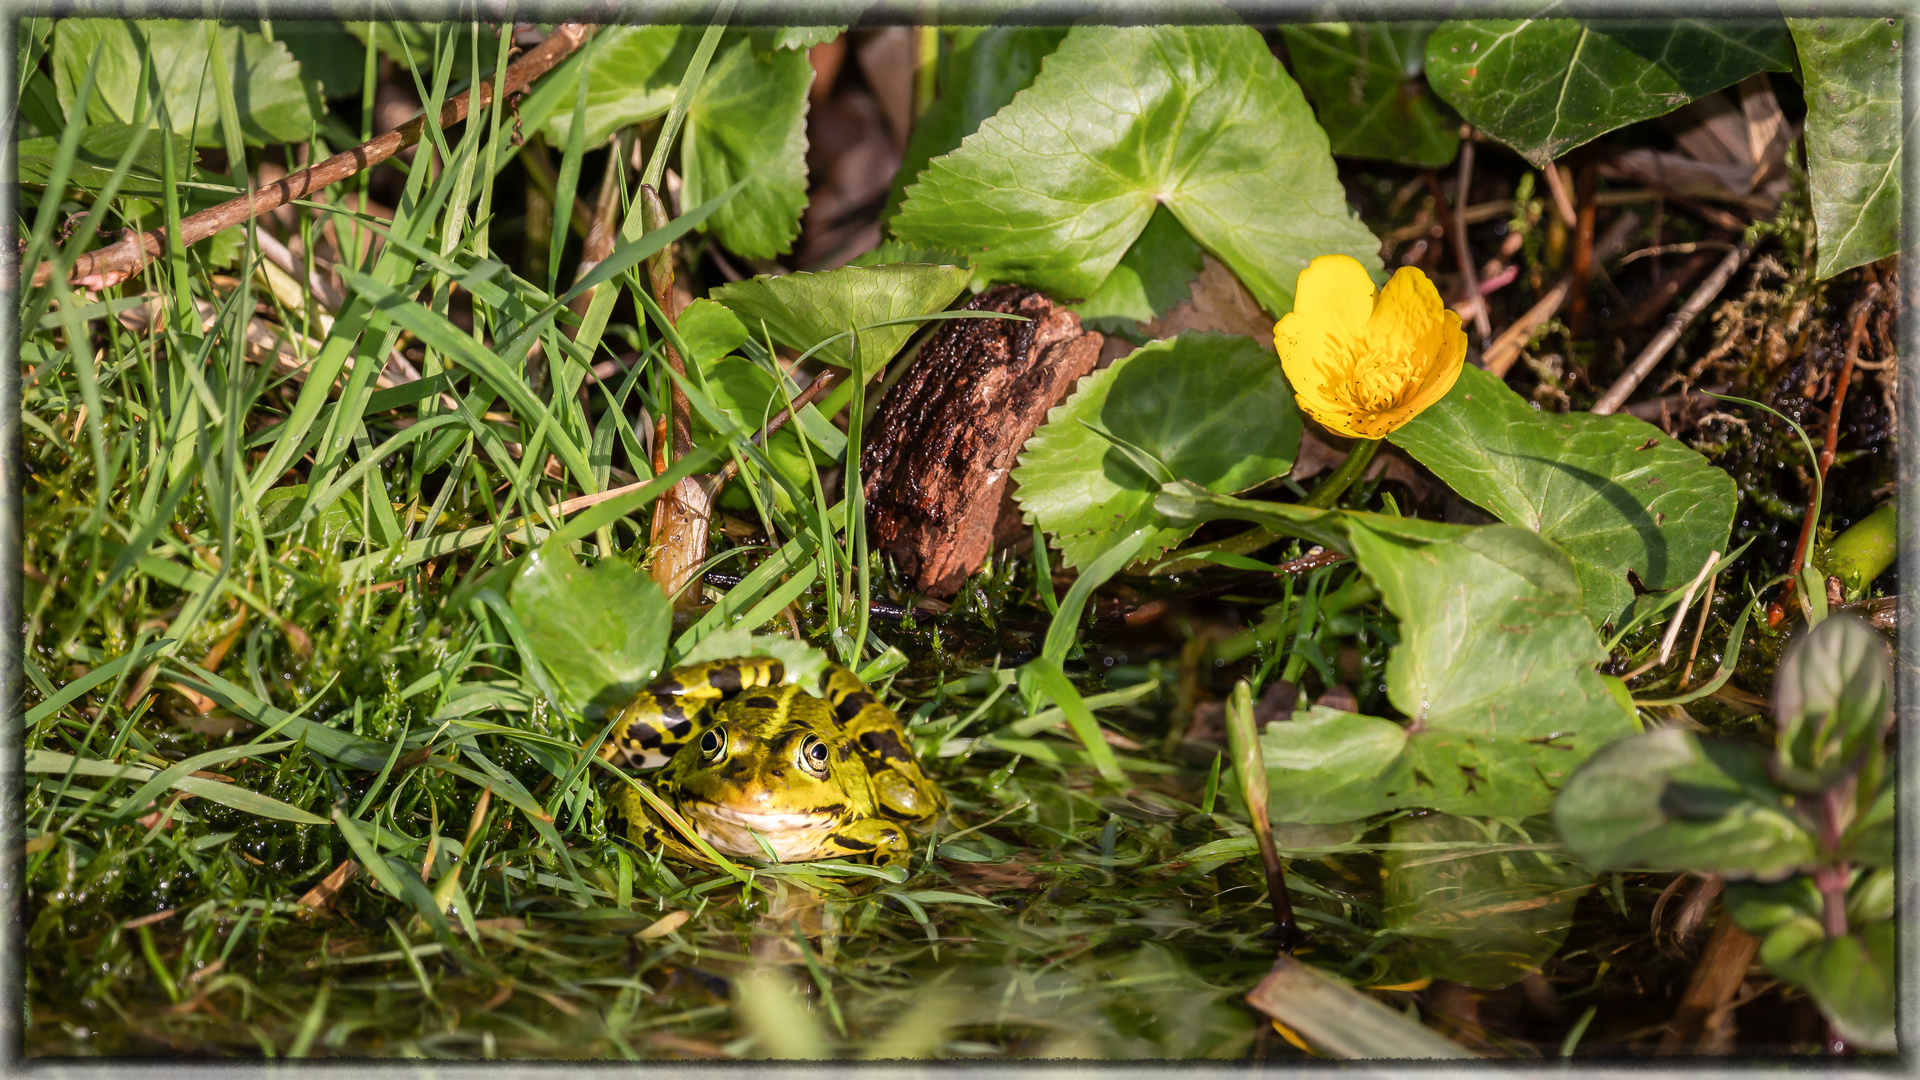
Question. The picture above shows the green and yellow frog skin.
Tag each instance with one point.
(739, 755)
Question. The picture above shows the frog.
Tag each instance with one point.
(748, 759)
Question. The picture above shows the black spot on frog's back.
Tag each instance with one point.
(884, 745)
(725, 679)
(850, 706)
(761, 701)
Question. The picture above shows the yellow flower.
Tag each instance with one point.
(1360, 366)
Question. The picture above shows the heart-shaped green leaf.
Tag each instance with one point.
(1615, 492)
(1482, 918)
(600, 632)
(750, 118)
(803, 310)
(1852, 73)
(1834, 700)
(272, 98)
(1672, 800)
(1213, 408)
(1055, 187)
(1368, 89)
(1494, 670)
(1546, 85)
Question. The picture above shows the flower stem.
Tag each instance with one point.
(1342, 478)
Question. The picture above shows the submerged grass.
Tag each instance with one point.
(296, 790)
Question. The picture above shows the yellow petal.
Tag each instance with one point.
(1407, 322)
(1324, 337)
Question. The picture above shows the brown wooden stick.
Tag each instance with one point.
(820, 385)
(115, 263)
(1462, 252)
(1723, 967)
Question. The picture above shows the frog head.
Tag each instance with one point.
(773, 763)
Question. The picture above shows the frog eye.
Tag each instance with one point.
(813, 756)
(713, 743)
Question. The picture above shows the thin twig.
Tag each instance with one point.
(1462, 252)
(1699, 630)
(1679, 620)
(1676, 249)
(121, 260)
(1582, 253)
(1861, 309)
(1559, 188)
(1616, 394)
(820, 385)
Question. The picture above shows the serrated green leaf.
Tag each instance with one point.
(1494, 671)
(1369, 91)
(602, 633)
(1484, 919)
(1852, 72)
(766, 39)
(1213, 408)
(749, 118)
(1154, 275)
(1055, 187)
(978, 76)
(633, 75)
(1546, 85)
(1672, 800)
(1615, 492)
(265, 77)
(803, 310)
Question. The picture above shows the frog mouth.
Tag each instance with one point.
(793, 836)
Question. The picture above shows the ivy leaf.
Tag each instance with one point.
(267, 85)
(1546, 85)
(979, 75)
(1494, 670)
(749, 118)
(1615, 492)
(1213, 408)
(1673, 800)
(1055, 187)
(1366, 83)
(802, 310)
(1154, 276)
(1852, 73)
(1484, 919)
(602, 633)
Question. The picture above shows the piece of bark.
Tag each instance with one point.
(946, 435)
